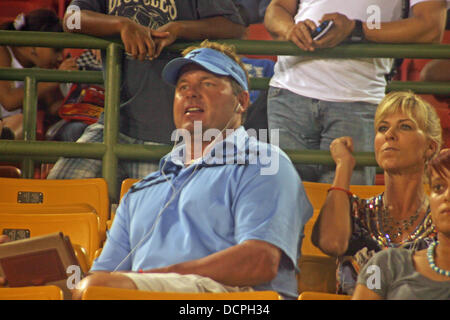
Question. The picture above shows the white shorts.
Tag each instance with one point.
(174, 282)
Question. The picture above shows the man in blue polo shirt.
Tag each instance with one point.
(225, 212)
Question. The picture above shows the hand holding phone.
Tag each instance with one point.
(321, 30)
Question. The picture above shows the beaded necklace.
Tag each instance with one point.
(430, 255)
(396, 227)
(372, 217)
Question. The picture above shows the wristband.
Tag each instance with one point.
(357, 34)
(348, 192)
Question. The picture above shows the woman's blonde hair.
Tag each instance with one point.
(417, 109)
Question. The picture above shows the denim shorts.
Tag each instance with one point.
(312, 124)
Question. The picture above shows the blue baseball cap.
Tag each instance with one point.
(212, 60)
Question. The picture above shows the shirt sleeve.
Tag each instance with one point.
(377, 273)
(115, 253)
(212, 8)
(273, 208)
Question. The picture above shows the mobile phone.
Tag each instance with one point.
(322, 29)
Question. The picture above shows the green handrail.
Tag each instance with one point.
(30, 151)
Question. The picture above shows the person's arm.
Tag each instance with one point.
(137, 39)
(332, 229)
(12, 98)
(250, 263)
(364, 293)
(207, 28)
(279, 21)
(426, 25)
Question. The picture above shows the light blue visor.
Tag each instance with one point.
(212, 60)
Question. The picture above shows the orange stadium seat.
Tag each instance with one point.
(126, 185)
(57, 196)
(318, 270)
(317, 192)
(81, 228)
(32, 293)
(309, 295)
(104, 293)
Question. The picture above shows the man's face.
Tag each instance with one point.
(203, 96)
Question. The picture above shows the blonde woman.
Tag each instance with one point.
(420, 275)
(407, 135)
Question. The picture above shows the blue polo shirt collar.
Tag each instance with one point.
(234, 149)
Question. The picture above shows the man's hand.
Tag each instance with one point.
(69, 64)
(340, 31)
(300, 35)
(139, 40)
(171, 29)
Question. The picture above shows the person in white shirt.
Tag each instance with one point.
(312, 100)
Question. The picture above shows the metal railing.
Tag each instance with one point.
(30, 151)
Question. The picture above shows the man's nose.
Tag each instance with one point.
(192, 90)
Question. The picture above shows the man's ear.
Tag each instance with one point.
(244, 101)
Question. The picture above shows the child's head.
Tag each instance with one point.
(37, 20)
(44, 20)
(439, 175)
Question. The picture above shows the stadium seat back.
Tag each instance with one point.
(81, 228)
(104, 293)
(73, 193)
(309, 295)
(126, 185)
(317, 273)
(32, 293)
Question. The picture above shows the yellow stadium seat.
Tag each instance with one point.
(126, 184)
(317, 273)
(105, 293)
(31, 293)
(309, 295)
(317, 192)
(307, 245)
(318, 270)
(367, 191)
(74, 195)
(82, 228)
(82, 257)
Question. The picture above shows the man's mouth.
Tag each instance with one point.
(191, 110)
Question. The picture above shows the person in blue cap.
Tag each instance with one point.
(146, 28)
(211, 219)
